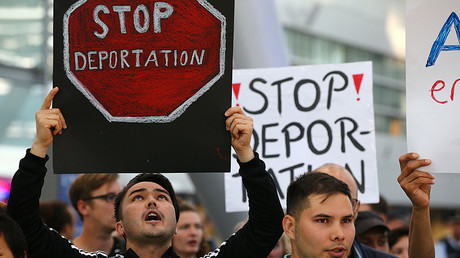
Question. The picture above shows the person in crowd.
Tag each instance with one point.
(93, 197)
(398, 239)
(319, 217)
(13, 244)
(372, 230)
(146, 209)
(380, 208)
(333, 214)
(344, 175)
(189, 238)
(59, 216)
(449, 246)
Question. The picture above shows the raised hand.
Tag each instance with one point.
(240, 127)
(49, 122)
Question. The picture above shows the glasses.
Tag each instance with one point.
(109, 197)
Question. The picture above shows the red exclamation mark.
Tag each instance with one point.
(236, 90)
(358, 78)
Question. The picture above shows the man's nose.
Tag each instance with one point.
(151, 203)
(337, 233)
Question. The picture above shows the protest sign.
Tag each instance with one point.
(143, 85)
(304, 117)
(433, 44)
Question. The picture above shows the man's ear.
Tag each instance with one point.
(289, 226)
(82, 208)
(120, 229)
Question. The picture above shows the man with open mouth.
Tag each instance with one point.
(146, 210)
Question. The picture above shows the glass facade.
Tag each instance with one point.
(389, 73)
(24, 75)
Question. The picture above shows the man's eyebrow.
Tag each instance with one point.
(144, 189)
(329, 216)
(348, 216)
(322, 216)
(162, 191)
(136, 191)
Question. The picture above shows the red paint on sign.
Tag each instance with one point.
(236, 89)
(357, 79)
(127, 68)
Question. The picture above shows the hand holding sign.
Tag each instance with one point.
(240, 127)
(131, 70)
(49, 122)
(416, 184)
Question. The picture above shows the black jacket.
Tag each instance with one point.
(256, 239)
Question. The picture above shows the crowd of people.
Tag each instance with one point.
(145, 218)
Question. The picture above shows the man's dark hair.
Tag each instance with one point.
(146, 177)
(55, 214)
(312, 183)
(13, 235)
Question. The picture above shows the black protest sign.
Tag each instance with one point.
(143, 85)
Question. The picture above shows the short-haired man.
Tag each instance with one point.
(344, 175)
(146, 209)
(417, 186)
(319, 219)
(93, 197)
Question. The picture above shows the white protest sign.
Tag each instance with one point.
(433, 58)
(306, 116)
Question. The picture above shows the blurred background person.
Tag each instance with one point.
(59, 216)
(449, 246)
(93, 197)
(372, 231)
(13, 243)
(398, 240)
(189, 238)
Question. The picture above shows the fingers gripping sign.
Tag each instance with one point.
(49, 122)
(240, 127)
(416, 184)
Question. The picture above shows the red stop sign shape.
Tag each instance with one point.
(143, 61)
